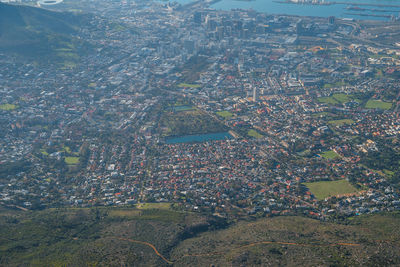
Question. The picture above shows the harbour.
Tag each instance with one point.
(364, 9)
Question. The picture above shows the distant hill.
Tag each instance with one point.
(39, 33)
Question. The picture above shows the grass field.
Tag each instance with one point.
(342, 98)
(225, 114)
(304, 153)
(189, 122)
(335, 99)
(67, 149)
(322, 190)
(378, 104)
(124, 213)
(8, 107)
(117, 27)
(330, 155)
(388, 173)
(341, 122)
(161, 206)
(149, 211)
(72, 160)
(161, 215)
(337, 84)
(188, 85)
(254, 133)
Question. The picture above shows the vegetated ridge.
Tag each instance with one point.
(38, 33)
(164, 237)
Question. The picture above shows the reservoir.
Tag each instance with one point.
(182, 108)
(197, 138)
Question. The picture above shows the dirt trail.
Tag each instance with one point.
(149, 245)
(240, 247)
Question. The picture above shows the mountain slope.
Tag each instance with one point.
(38, 33)
(130, 236)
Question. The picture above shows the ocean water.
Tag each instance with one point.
(337, 10)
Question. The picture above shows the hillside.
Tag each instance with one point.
(296, 241)
(145, 236)
(38, 33)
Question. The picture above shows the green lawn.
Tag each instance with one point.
(337, 84)
(124, 213)
(378, 104)
(304, 153)
(72, 160)
(330, 155)
(161, 206)
(189, 85)
(254, 133)
(190, 122)
(64, 50)
(342, 98)
(67, 149)
(322, 190)
(8, 107)
(44, 152)
(341, 122)
(117, 27)
(225, 114)
(335, 99)
(388, 173)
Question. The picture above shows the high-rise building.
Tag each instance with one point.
(197, 17)
(189, 46)
(220, 33)
(255, 94)
(211, 24)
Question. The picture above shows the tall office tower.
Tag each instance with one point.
(189, 46)
(197, 17)
(255, 94)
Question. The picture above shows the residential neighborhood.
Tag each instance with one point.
(228, 112)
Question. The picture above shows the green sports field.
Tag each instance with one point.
(330, 154)
(72, 160)
(188, 85)
(8, 107)
(322, 190)
(225, 114)
(254, 133)
(378, 104)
